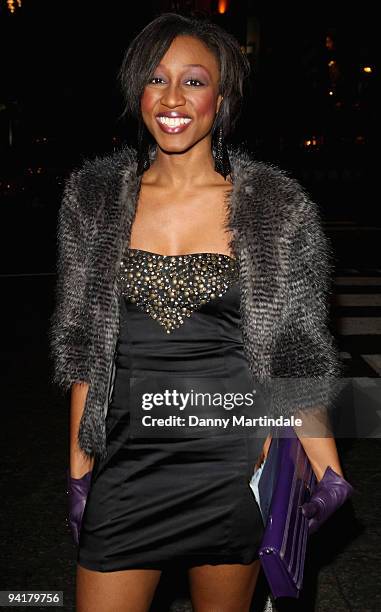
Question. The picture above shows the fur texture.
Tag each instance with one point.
(285, 268)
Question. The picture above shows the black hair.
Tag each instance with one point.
(149, 46)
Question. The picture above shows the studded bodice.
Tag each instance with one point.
(179, 317)
(171, 287)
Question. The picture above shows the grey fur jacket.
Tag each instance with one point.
(284, 262)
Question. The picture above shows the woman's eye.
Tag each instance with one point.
(155, 80)
(159, 80)
(194, 82)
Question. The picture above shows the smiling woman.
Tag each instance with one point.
(178, 262)
(182, 97)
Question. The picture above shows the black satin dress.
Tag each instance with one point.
(157, 500)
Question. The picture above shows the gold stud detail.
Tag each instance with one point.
(170, 287)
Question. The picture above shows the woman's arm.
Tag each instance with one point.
(322, 452)
(306, 365)
(317, 439)
(80, 464)
(70, 333)
(263, 455)
(312, 267)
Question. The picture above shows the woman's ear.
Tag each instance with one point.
(219, 100)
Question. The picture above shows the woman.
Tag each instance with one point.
(183, 261)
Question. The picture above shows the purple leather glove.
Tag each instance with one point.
(329, 494)
(77, 490)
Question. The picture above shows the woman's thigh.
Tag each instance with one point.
(223, 588)
(121, 591)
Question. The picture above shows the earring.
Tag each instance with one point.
(143, 149)
(221, 155)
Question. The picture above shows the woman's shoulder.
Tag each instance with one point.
(96, 181)
(267, 186)
(105, 167)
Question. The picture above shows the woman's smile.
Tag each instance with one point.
(173, 122)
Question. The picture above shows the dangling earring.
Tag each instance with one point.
(221, 155)
(143, 149)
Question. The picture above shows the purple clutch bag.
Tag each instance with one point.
(286, 483)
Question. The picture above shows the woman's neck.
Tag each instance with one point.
(193, 168)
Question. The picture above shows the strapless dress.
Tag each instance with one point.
(161, 499)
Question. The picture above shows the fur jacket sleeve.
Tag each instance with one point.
(70, 331)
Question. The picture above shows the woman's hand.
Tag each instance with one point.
(77, 490)
(332, 490)
(81, 464)
(330, 493)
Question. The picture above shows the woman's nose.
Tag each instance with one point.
(173, 96)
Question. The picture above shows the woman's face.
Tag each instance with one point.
(181, 100)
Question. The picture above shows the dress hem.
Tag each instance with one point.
(185, 561)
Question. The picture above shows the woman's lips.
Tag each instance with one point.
(173, 125)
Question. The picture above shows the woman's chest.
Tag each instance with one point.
(183, 223)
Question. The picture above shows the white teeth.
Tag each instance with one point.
(174, 121)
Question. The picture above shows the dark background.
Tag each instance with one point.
(61, 102)
(310, 107)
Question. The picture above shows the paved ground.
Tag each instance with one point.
(36, 550)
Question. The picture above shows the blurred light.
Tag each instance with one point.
(35, 170)
(367, 69)
(313, 142)
(330, 93)
(329, 42)
(331, 63)
(11, 5)
(222, 6)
